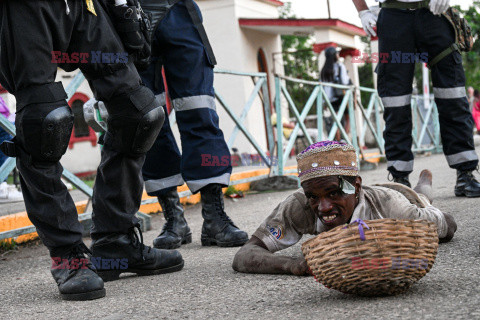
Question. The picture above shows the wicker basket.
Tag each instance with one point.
(392, 256)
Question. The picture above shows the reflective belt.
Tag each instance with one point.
(391, 4)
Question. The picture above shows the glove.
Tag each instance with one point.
(143, 58)
(369, 20)
(439, 6)
(375, 10)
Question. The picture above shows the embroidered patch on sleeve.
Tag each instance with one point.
(277, 232)
(90, 6)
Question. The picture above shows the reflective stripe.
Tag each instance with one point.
(194, 102)
(160, 184)
(461, 157)
(161, 98)
(195, 185)
(398, 101)
(401, 165)
(449, 93)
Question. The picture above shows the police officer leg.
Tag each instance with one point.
(162, 180)
(456, 122)
(395, 77)
(205, 155)
(135, 119)
(44, 122)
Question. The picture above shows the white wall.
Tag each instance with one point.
(255, 9)
(236, 49)
(83, 157)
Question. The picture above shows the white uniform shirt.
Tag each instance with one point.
(293, 217)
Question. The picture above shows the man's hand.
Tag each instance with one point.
(439, 6)
(299, 267)
(369, 20)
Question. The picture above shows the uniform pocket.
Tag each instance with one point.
(458, 68)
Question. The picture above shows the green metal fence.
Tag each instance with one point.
(425, 125)
(364, 118)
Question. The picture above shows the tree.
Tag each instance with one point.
(299, 61)
(471, 59)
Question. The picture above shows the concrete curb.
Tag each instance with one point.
(20, 219)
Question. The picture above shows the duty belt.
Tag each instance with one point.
(159, 9)
(391, 4)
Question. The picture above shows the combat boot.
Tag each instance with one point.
(118, 253)
(175, 231)
(403, 180)
(218, 229)
(75, 276)
(467, 185)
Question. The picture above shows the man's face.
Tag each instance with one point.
(329, 202)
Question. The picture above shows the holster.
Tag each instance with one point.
(134, 27)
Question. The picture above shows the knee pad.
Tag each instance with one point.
(134, 122)
(44, 130)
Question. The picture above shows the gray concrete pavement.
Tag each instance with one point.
(207, 288)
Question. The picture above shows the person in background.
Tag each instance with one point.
(471, 97)
(334, 71)
(476, 109)
(8, 193)
(289, 126)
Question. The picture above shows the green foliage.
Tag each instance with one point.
(299, 61)
(471, 59)
(7, 245)
(365, 73)
(231, 190)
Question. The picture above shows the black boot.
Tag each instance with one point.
(175, 231)
(218, 229)
(75, 276)
(402, 180)
(467, 185)
(119, 253)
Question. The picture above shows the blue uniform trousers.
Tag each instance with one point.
(189, 74)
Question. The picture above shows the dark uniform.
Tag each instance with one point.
(181, 46)
(189, 74)
(31, 30)
(420, 31)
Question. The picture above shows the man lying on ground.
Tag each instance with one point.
(331, 195)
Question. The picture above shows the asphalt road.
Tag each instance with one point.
(208, 288)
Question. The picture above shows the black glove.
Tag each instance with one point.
(143, 58)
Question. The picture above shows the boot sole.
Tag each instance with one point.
(208, 242)
(186, 240)
(113, 275)
(463, 193)
(92, 295)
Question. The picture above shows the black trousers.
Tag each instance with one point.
(30, 31)
(402, 33)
